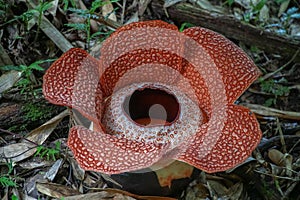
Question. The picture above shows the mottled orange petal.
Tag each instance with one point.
(151, 65)
(150, 23)
(238, 138)
(200, 88)
(238, 71)
(73, 81)
(105, 153)
(145, 45)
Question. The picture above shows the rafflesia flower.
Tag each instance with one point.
(157, 95)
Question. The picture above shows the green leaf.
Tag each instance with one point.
(269, 102)
(259, 6)
(14, 197)
(10, 67)
(78, 26)
(185, 25)
(48, 152)
(7, 182)
(78, 11)
(66, 4)
(38, 150)
(36, 67)
(106, 34)
(10, 167)
(57, 145)
(230, 2)
(45, 6)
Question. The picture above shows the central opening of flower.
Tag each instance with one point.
(151, 107)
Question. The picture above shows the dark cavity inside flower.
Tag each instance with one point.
(151, 106)
(157, 95)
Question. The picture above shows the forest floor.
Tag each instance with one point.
(35, 162)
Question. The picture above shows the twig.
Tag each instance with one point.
(266, 111)
(281, 136)
(266, 76)
(17, 136)
(280, 177)
(296, 144)
(107, 22)
(123, 11)
(275, 141)
(10, 157)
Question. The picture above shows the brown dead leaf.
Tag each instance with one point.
(4, 57)
(136, 196)
(34, 163)
(175, 170)
(205, 4)
(52, 172)
(133, 18)
(264, 14)
(99, 195)
(56, 190)
(40, 134)
(276, 157)
(77, 170)
(17, 152)
(216, 188)
(52, 10)
(108, 10)
(236, 191)
(8, 79)
(30, 184)
(168, 3)
(280, 159)
(143, 4)
(283, 7)
(197, 191)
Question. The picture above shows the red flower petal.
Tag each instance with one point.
(139, 44)
(151, 65)
(150, 23)
(237, 70)
(105, 153)
(200, 88)
(72, 81)
(238, 138)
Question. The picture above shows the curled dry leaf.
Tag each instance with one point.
(108, 10)
(77, 170)
(24, 149)
(8, 79)
(55, 190)
(52, 172)
(280, 159)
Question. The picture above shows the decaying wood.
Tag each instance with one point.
(230, 27)
(10, 114)
(13, 114)
(4, 58)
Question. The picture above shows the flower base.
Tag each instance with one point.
(170, 181)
